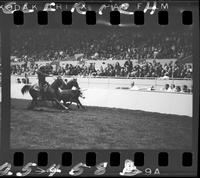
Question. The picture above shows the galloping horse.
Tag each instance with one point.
(51, 93)
(71, 96)
(67, 95)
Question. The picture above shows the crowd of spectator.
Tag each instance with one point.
(31, 46)
(178, 89)
(145, 69)
(100, 44)
(167, 88)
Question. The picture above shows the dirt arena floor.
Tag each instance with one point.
(97, 128)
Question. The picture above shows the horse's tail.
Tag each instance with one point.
(25, 89)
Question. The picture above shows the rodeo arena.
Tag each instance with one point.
(104, 89)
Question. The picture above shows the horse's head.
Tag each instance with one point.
(75, 83)
(72, 83)
(79, 93)
(59, 81)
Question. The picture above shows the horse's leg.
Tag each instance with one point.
(64, 103)
(60, 104)
(78, 102)
(31, 104)
(36, 102)
(57, 105)
(54, 104)
(67, 104)
(34, 96)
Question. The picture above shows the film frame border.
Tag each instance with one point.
(151, 156)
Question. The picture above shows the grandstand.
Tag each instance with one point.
(102, 53)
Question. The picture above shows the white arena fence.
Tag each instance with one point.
(101, 92)
(114, 82)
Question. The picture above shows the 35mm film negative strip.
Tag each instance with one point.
(99, 88)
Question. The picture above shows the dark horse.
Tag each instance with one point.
(51, 93)
(71, 96)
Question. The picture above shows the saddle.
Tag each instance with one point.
(45, 87)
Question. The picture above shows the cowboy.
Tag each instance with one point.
(42, 74)
(26, 78)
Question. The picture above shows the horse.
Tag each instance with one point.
(50, 93)
(71, 96)
(68, 95)
(70, 84)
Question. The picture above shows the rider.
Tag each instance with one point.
(42, 74)
(26, 78)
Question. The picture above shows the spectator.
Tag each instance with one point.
(185, 89)
(172, 88)
(128, 66)
(178, 89)
(117, 69)
(18, 80)
(166, 88)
